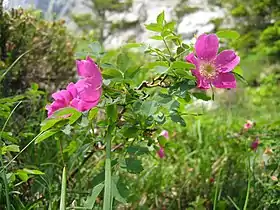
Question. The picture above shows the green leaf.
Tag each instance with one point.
(34, 172)
(228, 34)
(49, 123)
(89, 204)
(160, 18)
(149, 108)
(156, 37)
(10, 148)
(175, 117)
(123, 61)
(112, 74)
(131, 72)
(95, 47)
(238, 70)
(133, 165)
(170, 26)
(46, 135)
(8, 136)
(115, 191)
(130, 132)
(161, 69)
(65, 112)
(137, 150)
(112, 113)
(153, 27)
(182, 65)
(71, 148)
(202, 96)
(92, 113)
(22, 175)
(162, 140)
(62, 205)
(184, 74)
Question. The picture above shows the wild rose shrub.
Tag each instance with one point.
(136, 112)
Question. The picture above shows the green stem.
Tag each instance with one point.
(169, 51)
(248, 188)
(107, 204)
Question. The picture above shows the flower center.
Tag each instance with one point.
(208, 70)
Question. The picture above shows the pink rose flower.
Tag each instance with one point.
(213, 68)
(83, 95)
(161, 153)
(255, 144)
(249, 124)
(165, 134)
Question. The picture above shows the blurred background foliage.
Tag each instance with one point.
(208, 163)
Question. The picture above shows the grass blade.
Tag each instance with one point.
(63, 191)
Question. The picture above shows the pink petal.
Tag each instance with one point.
(202, 82)
(88, 91)
(226, 61)
(82, 106)
(225, 80)
(161, 153)
(56, 105)
(87, 68)
(206, 46)
(71, 88)
(62, 95)
(192, 59)
(165, 134)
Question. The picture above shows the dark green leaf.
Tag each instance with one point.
(112, 113)
(175, 117)
(202, 96)
(137, 150)
(130, 132)
(133, 165)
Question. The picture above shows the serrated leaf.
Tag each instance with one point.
(153, 27)
(131, 72)
(112, 74)
(182, 65)
(175, 117)
(170, 26)
(133, 165)
(89, 203)
(68, 113)
(202, 96)
(156, 37)
(161, 69)
(228, 34)
(149, 108)
(160, 18)
(46, 135)
(95, 47)
(49, 123)
(123, 61)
